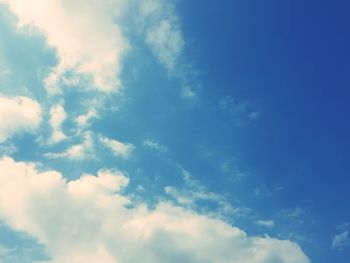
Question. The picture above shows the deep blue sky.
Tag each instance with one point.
(291, 59)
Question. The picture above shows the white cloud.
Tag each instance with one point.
(57, 116)
(291, 213)
(154, 145)
(118, 148)
(187, 93)
(266, 223)
(82, 151)
(19, 114)
(85, 35)
(87, 220)
(166, 43)
(83, 119)
(192, 195)
(162, 31)
(340, 241)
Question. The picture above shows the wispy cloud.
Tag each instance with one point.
(340, 241)
(193, 195)
(81, 151)
(118, 148)
(154, 145)
(265, 223)
(162, 31)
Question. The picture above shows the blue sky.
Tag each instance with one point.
(174, 131)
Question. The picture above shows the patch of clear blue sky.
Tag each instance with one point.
(292, 58)
(286, 60)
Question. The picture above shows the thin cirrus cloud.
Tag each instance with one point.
(87, 220)
(18, 114)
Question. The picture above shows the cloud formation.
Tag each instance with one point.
(84, 34)
(265, 223)
(162, 32)
(18, 114)
(154, 145)
(90, 220)
(89, 39)
(80, 151)
(117, 148)
(57, 116)
(340, 241)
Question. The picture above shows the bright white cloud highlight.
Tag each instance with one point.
(85, 35)
(19, 114)
(118, 148)
(87, 220)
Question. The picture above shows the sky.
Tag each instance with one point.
(174, 131)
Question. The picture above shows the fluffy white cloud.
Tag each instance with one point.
(85, 34)
(57, 116)
(118, 148)
(90, 220)
(17, 115)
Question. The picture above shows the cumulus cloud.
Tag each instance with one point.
(84, 34)
(57, 116)
(18, 114)
(118, 148)
(90, 220)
